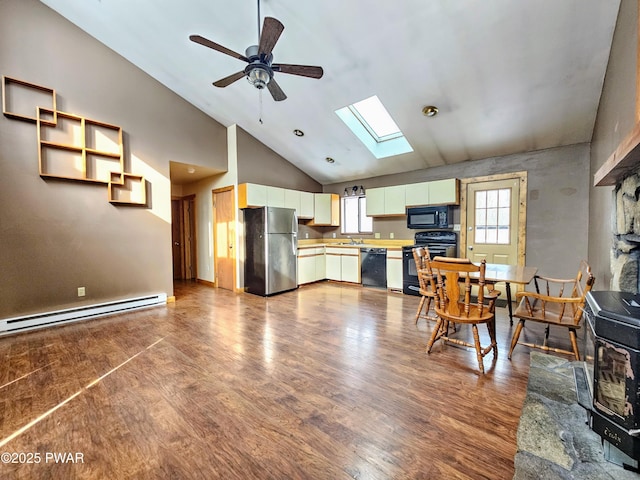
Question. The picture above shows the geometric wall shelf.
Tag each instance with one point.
(20, 100)
(127, 189)
(71, 147)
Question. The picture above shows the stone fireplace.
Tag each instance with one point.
(625, 255)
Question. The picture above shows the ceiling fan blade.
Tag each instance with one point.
(275, 90)
(226, 81)
(302, 70)
(208, 43)
(271, 31)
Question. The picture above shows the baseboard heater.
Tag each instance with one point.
(41, 320)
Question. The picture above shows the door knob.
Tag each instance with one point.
(177, 244)
(470, 247)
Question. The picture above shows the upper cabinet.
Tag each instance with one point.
(326, 209)
(439, 192)
(386, 201)
(254, 195)
(444, 192)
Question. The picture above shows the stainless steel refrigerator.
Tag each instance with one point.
(271, 244)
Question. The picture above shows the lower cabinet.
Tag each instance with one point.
(311, 265)
(343, 264)
(394, 269)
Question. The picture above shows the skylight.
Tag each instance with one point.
(376, 119)
(372, 124)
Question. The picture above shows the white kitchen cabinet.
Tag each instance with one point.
(350, 268)
(292, 200)
(321, 265)
(275, 197)
(311, 264)
(394, 200)
(306, 205)
(326, 208)
(343, 264)
(375, 201)
(417, 194)
(444, 192)
(251, 195)
(394, 269)
(386, 201)
(333, 265)
(306, 269)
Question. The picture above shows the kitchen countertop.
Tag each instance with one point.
(334, 242)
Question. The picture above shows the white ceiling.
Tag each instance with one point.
(507, 76)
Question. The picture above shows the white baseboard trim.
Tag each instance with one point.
(59, 317)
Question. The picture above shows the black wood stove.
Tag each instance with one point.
(612, 356)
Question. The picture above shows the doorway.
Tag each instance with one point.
(183, 235)
(493, 218)
(224, 221)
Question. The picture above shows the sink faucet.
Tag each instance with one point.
(351, 241)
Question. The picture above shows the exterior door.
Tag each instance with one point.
(224, 221)
(492, 221)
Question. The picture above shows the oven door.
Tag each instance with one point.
(410, 285)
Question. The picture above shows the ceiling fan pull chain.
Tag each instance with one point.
(260, 115)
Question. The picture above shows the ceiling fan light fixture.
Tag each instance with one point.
(258, 77)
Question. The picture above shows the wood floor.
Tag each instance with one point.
(325, 382)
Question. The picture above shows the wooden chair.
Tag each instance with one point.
(422, 258)
(561, 305)
(454, 304)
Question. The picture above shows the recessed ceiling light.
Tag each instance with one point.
(430, 111)
(329, 160)
(298, 133)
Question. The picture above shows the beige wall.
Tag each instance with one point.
(557, 202)
(56, 235)
(257, 163)
(616, 118)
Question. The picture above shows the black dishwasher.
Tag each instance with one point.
(373, 270)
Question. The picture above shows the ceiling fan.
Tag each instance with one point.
(260, 69)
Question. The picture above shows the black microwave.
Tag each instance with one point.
(430, 217)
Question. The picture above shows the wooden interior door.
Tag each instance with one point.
(176, 239)
(224, 220)
(183, 237)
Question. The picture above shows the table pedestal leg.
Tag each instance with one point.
(508, 289)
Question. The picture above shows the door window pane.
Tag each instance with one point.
(493, 216)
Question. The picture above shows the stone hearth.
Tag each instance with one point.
(625, 255)
(554, 440)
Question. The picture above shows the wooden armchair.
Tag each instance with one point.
(422, 258)
(454, 304)
(560, 304)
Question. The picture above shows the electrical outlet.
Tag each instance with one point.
(82, 291)
(391, 235)
(377, 235)
(334, 235)
(456, 227)
(306, 235)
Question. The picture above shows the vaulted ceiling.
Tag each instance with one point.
(507, 76)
